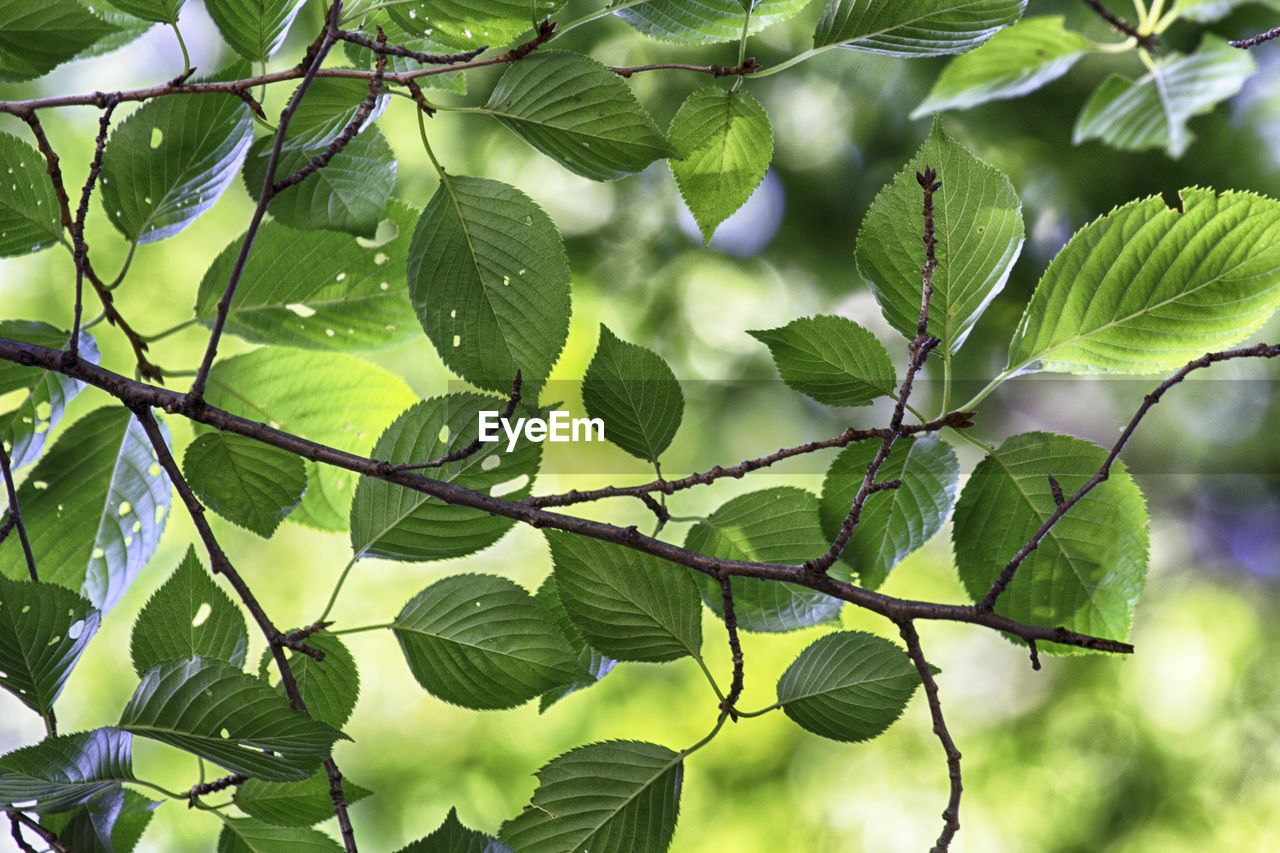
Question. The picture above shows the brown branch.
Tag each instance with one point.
(735, 650)
(6, 527)
(213, 787)
(749, 66)
(17, 818)
(476, 443)
(1254, 41)
(15, 513)
(1006, 576)
(951, 814)
(545, 30)
(382, 48)
(80, 249)
(1120, 24)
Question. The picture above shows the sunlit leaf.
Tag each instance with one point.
(37, 37)
(64, 771)
(329, 687)
(470, 23)
(633, 391)
(914, 27)
(831, 359)
(158, 11)
(30, 219)
(255, 29)
(695, 22)
(44, 629)
(46, 393)
(293, 803)
(592, 661)
(243, 480)
(327, 107)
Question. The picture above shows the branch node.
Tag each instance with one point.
(1035, 654)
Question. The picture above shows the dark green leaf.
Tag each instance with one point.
(188, 616)
(330, 687)
(978, 226)
(255, 29)
(471, 23)
(725, 143)
(212, 709)
(848, 686)
(318, 289)
(243, 480)
(64, 771)
(914, 27)
(1021, 59)
(894, 522)
(246, 835)
(37, 37)
(481, 641)
(47, 393)
(129, 29)
(579, 113)
(158, 11)
(695, 22)
(30, 219)
(615, 797)
(94, 507)
(44, 629)
(293, 803)
(338, 400)
(1088, 571)
(453, 837)
(831, 359)
(329, 105)
(489, 280)
(589, 659)
(113, 822)
(1146, 288)
(171, 160)
(1153, 111)
(633, 391)
(349, 194)
(629, 605)
(362, 57)
(778, 525)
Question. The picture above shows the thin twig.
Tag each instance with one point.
(749, 66)
(951, 814)
(1148, 41)
(382, 48)
(80, 248)
(15, 829)
(46, 835)
(1254, 41)
(475, 444)
(6, 527)
(735, 650)
(213, 787)
(15, 513)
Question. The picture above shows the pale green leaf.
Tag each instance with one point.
(396, 523)
(1018, 60)
(471, 23)
(489, 280)
(188, 616)
(726, 142)
(914, 27)
(157, 11)
(978, 228)
(45, 393)
(210, 708)
(255, 29)
(94, 507)
(1088, 571)
(246, 835)
(614, 797)
(35, 37)
(64, 771)
(579, 113)
(170, 161)
(452, 837)
(629, 605)
(696, 22)
(1207, 11)
(129, 29)
(481, 641)
(293, 803)
(1146, 288)
(329, 687)
(894, 522)
(777, 525)
(591, 660)
(1153, 111)
(30, 219)
(831, 359)
(44, 629)
(243, 480)
(848, 686)
(633, 391)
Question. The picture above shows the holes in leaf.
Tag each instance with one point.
(98, 553)
(202, 614)
(40, 485)
(43, 410)
(125, 508)
(383, 286)
(54, 640)
(155, 469)
(330, 332)
(380, 259)
(157, 137)
(160, 511)
(76, 629)
(301, 310)
(509, 486)
(457, 340)
(444, 434)
(137, 526)
(490, 462)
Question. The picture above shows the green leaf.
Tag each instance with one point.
(329, 105)
(978, 226)
(255, 29)
(44, 629)
(170, 161)
(914, 27)
(30, 219)
(725, 142)
(94, 507)
(188, 616)
(453, 837)
(578, 113)
(293, 803)
(614, 797)
(589, 659)
(1153, 111)
(330, 687)
(338, 400)
(1016, 61)
(894, 522)
(697, 22)
(1146, 288)
(848, 686)
(158, 11)
(245, 481)
(489, 280)
(396, 523)
(349, 194)
(64, 771)
(128, 30)
(629, 605)
(246, 835)
(112, 822)
(481, 641)
(831, 359)
(37, 37)
(1207, 11)
(635, 393)
(210, 708)
(363, 57)
(1088, 571)
(317, 289)
(25, 429)
(778, 525)
(471, 23)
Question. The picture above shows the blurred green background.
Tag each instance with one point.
(1176, 749)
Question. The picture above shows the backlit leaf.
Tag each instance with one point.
(695, 22)
(831, 359)
(64, 771)
(470, 23)
(243, 480)
(44, 629)
(293, 803)
(37, 37)
(255, 29)
(158, 11)
(589, 659)
(246, 835)
(46, 393)
(914, 27)
(633, 391)
(30, 219)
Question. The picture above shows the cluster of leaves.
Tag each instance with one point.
(341, 267)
